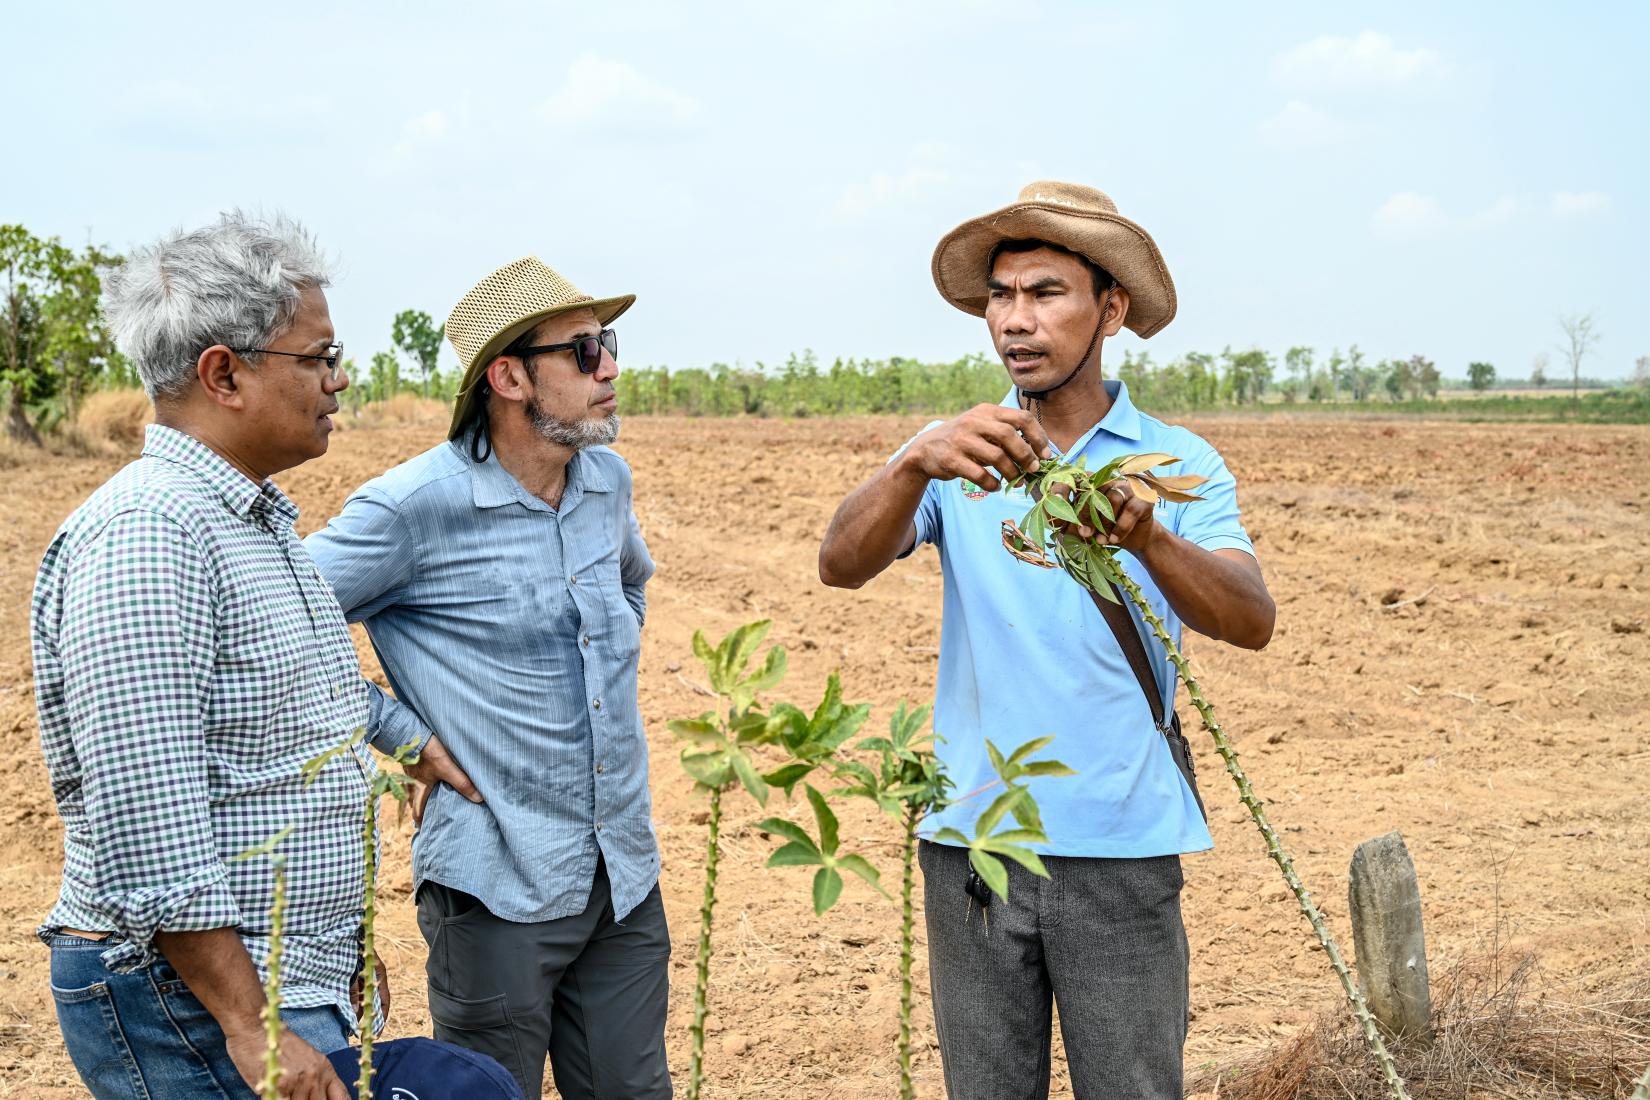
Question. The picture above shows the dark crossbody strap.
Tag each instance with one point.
(1134, 650)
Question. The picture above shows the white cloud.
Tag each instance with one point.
(1408, 214)
(921, 179)
(1368, 62)
(600, 92)
(1580, 204)
(1301, 126)
(427, 126)
(420, 132)
(1500, 211)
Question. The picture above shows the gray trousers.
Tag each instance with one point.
(585, 990)
(1102, 938)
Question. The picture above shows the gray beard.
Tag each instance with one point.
(575, 436)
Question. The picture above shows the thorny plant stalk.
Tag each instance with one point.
(717, 757)
(379, 783)
(701, 983)
(1070, 499)
(908, 853)
(269, 1087)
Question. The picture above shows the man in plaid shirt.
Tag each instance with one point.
(188, 660)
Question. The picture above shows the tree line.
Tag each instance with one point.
(55, 349)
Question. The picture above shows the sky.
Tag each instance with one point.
(771, 177)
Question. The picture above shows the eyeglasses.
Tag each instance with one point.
(333, 357)
(587, 350)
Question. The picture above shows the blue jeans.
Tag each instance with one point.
(144, 1036)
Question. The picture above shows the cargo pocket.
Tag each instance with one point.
(483, 1026)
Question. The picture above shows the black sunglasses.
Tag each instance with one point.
(587, 350)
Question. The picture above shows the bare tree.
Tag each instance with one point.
(1580, 337)
(1641, 372)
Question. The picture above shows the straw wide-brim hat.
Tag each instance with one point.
(1070, 215)
(503, 306)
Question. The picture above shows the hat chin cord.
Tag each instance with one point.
(1041, 396)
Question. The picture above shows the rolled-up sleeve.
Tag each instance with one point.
(137, 646)
(368, 557)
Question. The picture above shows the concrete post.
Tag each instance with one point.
(1387, 938)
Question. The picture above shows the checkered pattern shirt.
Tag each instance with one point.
(188, 660)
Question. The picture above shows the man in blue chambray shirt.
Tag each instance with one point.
(500, 576)
(1026, 652)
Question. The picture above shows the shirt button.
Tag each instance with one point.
(600, 767)
(599, 826)
(337, 691)
(586, 641)
(596, 704)
(573, 579)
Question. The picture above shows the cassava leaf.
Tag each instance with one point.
(827, 888)
(790, 830)
(991, 869)
(860, 866)
(795, 854)
(827, 821)
(746, 771)
(1136, 464)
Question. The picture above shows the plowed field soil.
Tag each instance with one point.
(1464, 629)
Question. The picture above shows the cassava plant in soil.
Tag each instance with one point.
(269, 1086)
(908, 783)
(717, 757)
(397, 785)
(1069, 514)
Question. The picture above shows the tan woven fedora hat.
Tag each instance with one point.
(503, 306)
(1072, 216)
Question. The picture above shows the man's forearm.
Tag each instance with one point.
(872, 526)
(218, 971)
(1218, 593)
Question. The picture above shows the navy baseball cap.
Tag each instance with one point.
(427, 1069)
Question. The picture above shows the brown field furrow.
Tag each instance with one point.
(1464, 626)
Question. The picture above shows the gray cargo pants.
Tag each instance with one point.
(1102, 938)
(585, 990)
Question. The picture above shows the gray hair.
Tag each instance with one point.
(235, 283)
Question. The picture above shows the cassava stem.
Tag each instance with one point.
(908, 855)
(269, 1088)
(701, 983)
(369, 948)
(1274, 846)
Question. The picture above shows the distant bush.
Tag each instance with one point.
(115, 417)
(399, 411)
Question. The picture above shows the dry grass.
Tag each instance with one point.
(1495, 1035)
(402, 410)
(113, 417)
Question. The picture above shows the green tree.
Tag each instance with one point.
(1298, 360)
(53, 343)
(384, 379)
(1335, 367)
(1480, 376)
(417, 336)
(1538, 370)
(1423, 378)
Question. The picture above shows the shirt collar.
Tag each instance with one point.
(1121, 420)
(241, 493)
(492, 486)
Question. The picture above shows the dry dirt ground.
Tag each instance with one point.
(1460, 655)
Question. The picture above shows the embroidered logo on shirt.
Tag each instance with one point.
(971, 490)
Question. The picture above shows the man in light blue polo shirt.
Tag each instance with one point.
(1026, 652)
(501, 576)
